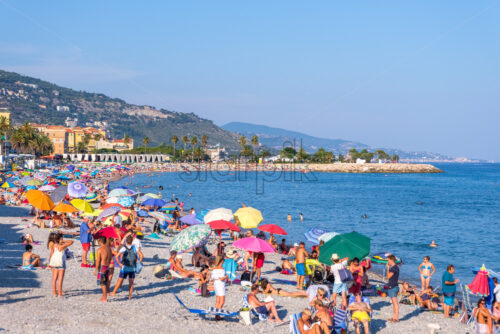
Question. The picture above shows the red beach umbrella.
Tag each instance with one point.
(273, 229)
(105, 206)
(223, 225)
(480, 285)
(108, 232)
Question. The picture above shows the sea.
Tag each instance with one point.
(459, 209)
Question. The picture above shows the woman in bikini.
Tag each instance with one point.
(426, 270)
(267, 288)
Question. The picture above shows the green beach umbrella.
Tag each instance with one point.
(190, 237)
(349, 245)
(34, 182)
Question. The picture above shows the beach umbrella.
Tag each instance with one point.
(313, 234)
(66, 208)
(254, 245)
(108, 205)
(190, 237)
(47, 188)
(59, 194)
(248, 217)
(39, 200)
(77, 189)
(91, 196)
(273, 229)
(218, 214)
(40, 176)
(190, 220)
(327, 236)
(142, 213)
(118, 192)
(382, 258)
(126, 201)
(34, 182)
(151, 195)
(480, 285)
(159, 215)
(108, 232)
(201, 214)
(112, 200)
(82, 205)
(8, 185)
(349, 245)
(223, 225)
(95, 213)
(155, 202)
(108, 212)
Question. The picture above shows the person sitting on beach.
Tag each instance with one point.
(199, 259)
(306, 326)
(323, 315)
(321, 295)
(38, 221)
(30, 260)
(27, 239)
(409, 292)
(3, 201)
(293, 250)
(178, 268)
(484, 318)
(103, 259)
(204, 281)
(427, 299)
(287, 266)
(283, 248)
(426, 269)
(57, 220)
(67, 221)
(272, 242)
(360, 314)
(266, 308)
(267, 288)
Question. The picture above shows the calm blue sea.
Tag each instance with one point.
(460, 209)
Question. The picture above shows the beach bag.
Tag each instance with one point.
(245, 276)
(138, 267)
(318, 274)
(345, 275)
(56, 261)
(130, 257)
(204, 290)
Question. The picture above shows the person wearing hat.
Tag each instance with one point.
(339, 287)
(230, 265)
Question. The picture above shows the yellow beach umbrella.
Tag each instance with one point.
(151, 195)
(95, 213)
(248, 217)
(82, 205)
(39, 199)
(66, 208)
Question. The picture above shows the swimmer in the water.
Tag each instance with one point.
(301, 217)
(419, 203)
(433, 244)
(289, 217)
(190, 195)
(365, 216)
(160, 187)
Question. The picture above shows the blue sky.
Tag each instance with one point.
(415, 75)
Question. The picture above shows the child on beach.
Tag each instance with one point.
(103, 259)
(30, 260)
(426, 270)
(57, 261)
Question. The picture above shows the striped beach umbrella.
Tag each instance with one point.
(77, 189)
(313, 234)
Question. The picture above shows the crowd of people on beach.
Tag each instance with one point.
(112, 245)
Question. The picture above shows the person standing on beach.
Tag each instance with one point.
(300, 258)
(127, 259)
(449, 288)
(219, 278)
(339, 287)
(57, 261)
(86, 229)
(393, 287)
(103, 259)
(426, 270)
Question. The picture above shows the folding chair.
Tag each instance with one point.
(262, 317)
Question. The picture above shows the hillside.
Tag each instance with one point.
(277, 138)
(38, 101)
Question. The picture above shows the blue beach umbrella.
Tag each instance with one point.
(313, 234)
(154, 202)
(126, 201)
(190, 220)
(118, 192)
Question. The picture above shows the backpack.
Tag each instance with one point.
(345, 275)
(245, 276)
(318, 274)
(129, 257)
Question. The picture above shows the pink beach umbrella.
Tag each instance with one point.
(480, 285)
(254, 245)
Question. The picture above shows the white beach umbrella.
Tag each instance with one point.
(218, 214)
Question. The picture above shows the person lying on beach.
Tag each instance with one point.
(27, 239)
(30, 260)
(267, 288)
(267, 308)
(360, 314)
(305, 324)
(409, 291)
(324, 317)
(103, 259)
(178, 268)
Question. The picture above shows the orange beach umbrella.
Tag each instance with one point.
(63, 207)
(39, 199)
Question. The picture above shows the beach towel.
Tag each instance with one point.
(230, 267)
(210, 310)
(198, 291)
(153, 236)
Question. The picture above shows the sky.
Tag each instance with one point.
(415, 75)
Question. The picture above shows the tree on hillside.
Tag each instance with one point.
(194, 141)
(145, 141)
(395, 157)
(341, 158)
(323, 156)
(288, 153)
(174, 141)
(5, 130)
(255, 143)
(126, 139)
(25, 139)
(204, 141)
(185, 140)
(242, 141)
(302, 155)
(365, 155)
(381, 155)
(353, 155)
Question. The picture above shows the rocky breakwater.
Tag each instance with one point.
(370, 168)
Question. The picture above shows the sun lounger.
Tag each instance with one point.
(209, 311)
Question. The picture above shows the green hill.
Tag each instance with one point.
(38, 101)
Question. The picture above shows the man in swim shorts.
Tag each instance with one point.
(360, 314)
(103, 259)
(300, 258)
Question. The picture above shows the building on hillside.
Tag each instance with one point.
(117, 144)
(5, 112)
(216, 153)
(56, 134)
(76, 135)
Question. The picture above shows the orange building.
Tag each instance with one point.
(56, 134)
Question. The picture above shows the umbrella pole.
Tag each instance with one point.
(93, 252)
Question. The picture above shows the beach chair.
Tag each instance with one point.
(209, 311)
(467, 315)
(364, 299)
(294, 327)
(262, 317)
(340, 320)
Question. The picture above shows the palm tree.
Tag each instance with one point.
(255, 143)
(185, 140)
(194, 141)
(145, 141)
(174, 141)
(86, 141)
(204, 141)
(242, 141)
(5, 130)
